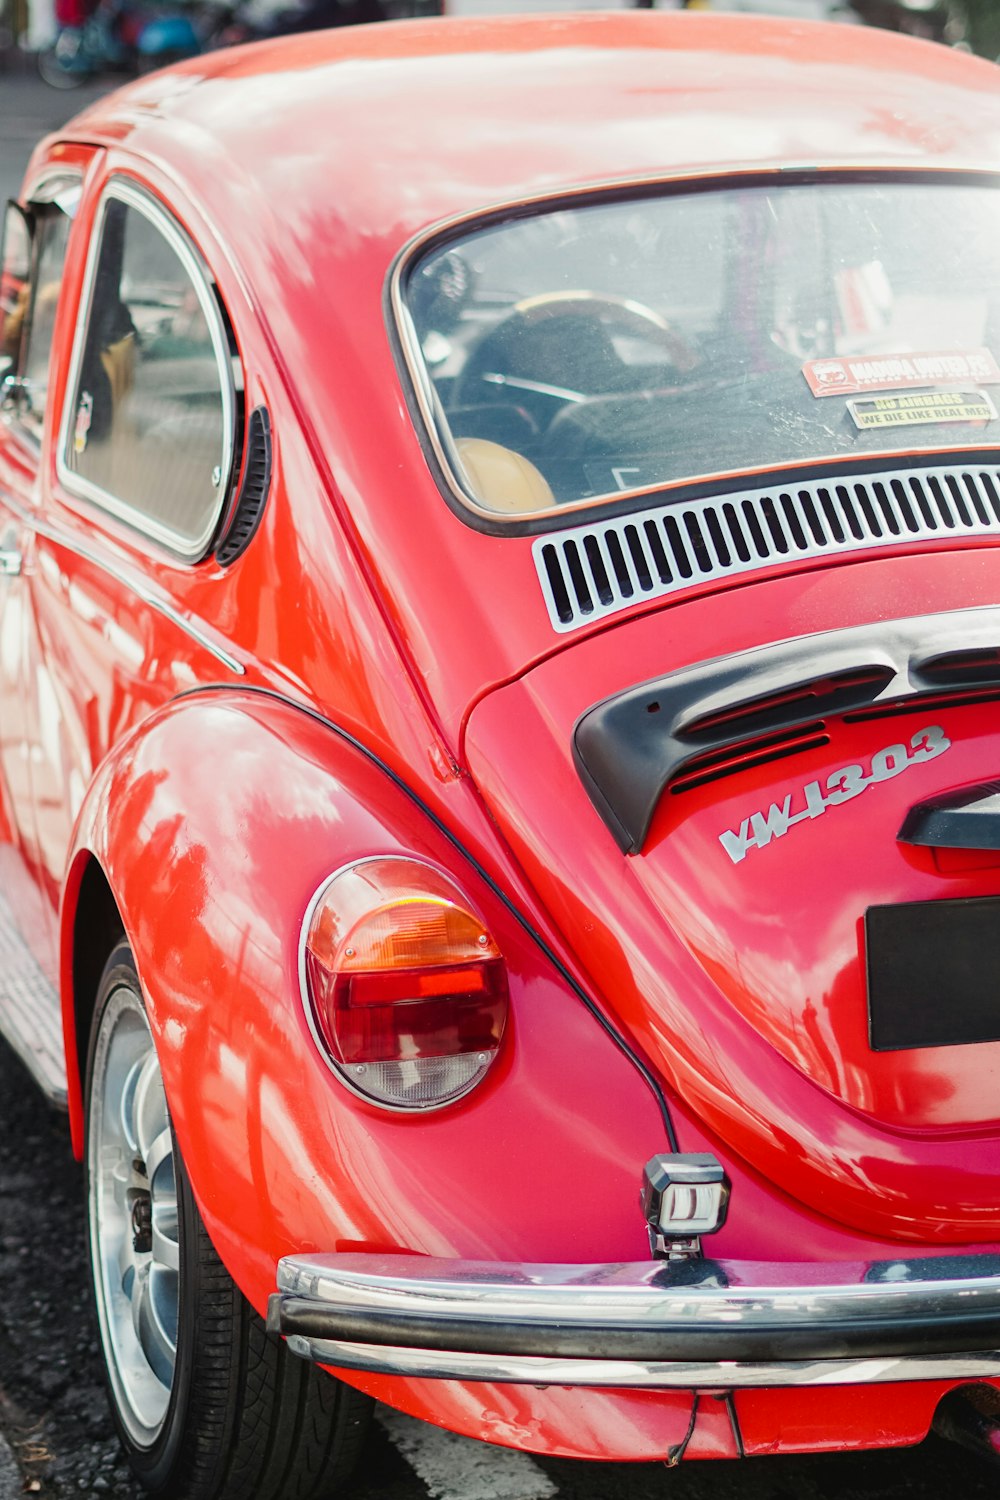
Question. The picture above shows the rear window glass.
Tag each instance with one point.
(618, 346)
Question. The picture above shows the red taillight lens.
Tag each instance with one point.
(407, 990)
(409, 1012)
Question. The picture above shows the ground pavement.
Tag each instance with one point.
(28, 110)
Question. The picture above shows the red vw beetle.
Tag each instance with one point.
(500, 670)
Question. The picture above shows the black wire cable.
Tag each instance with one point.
(677, 1452)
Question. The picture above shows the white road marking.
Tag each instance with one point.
(459, 1468)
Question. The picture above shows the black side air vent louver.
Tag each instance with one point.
(958, 669)
(253, 491)
(716, 717)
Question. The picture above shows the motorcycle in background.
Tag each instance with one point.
(256, 20)
(125, 36)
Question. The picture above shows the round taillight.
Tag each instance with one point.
(404, 986)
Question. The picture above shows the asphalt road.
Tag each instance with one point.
(29, 110)
(54, 1417)
(55, 1434)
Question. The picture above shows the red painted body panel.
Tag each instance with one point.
(215, 815)
(682, 95)
(754, 1004)
(269, 1136)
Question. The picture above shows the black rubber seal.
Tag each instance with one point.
(965, 1329)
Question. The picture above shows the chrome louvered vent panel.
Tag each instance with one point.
(591, 571)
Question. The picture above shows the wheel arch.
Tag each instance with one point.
(91, 926)
(147, 798)
(205, 835)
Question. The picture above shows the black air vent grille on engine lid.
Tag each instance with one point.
(588, 572)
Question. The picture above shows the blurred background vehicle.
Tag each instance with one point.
(125, 36)
(949, 21)
(87, 38)
(936, 20)
(803, 10)
(256, 20)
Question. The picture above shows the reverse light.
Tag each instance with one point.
(683, 1196)
(404, 986)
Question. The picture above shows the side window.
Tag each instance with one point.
(15, 274)
(150, 431)
(29, 309)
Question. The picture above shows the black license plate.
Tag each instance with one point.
(933, 973)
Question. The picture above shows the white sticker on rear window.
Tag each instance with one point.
(923, 407)
(896, 372)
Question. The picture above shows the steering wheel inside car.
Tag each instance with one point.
(559, 348)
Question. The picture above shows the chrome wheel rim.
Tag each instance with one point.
(134, 1241)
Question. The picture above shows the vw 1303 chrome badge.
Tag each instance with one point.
(843, 785)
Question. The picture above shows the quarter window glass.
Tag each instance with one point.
(15, 272)
(148, 432)
(30, 318)
(53, 233)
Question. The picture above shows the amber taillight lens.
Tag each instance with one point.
(406, 987)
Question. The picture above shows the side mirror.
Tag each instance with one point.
(15, 274)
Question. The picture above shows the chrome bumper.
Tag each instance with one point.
(690, 1324)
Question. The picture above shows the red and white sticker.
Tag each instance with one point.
(897, 372)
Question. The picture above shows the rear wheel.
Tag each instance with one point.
(208, 1406)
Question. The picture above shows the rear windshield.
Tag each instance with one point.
(580, 353)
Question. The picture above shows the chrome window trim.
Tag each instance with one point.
(60, 187)
(123, 190)
(138, 585)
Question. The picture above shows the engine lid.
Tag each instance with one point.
(733, 940)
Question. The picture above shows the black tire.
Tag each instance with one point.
(236, 1416)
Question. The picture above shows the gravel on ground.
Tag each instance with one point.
(53, 1407)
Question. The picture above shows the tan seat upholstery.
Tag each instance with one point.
(118, 360)
(503, 479)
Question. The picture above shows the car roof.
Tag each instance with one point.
(405, 123)
(303, 167)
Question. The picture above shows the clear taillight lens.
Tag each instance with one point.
(405, 987)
